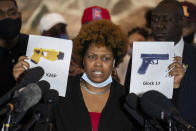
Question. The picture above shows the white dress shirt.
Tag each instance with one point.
(178, 48)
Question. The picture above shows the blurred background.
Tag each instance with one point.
(126, 13)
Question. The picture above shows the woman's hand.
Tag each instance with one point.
(177, 70)
(20, 67)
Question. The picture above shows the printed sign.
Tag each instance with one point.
(54, 56)
(150, 63)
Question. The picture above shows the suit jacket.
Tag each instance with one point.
(184, 97)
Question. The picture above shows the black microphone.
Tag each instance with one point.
(52, 96)
(158, 106)
(38, 111)
(42, 112)
(131, 105)
(132, 100)
(26, 97)
(44, 85)
(31, 76)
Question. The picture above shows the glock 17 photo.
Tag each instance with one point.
(151, 59)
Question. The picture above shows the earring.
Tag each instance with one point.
(114, 64)
(115, 75)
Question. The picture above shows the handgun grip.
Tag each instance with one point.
(144, 66)
(35, 58)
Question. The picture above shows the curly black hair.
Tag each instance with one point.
(101, 33)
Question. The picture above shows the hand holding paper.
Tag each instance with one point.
(20, 67)
(177, 70)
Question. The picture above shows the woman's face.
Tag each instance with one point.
(98, 63)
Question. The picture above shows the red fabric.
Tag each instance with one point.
(94, 13)
(94, 120)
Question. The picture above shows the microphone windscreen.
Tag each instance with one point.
(135, 114)
(52, 96)
(158, 106)
(27, 97)
(44, 86)
(33, 75)
(132, 100)
(154, 104)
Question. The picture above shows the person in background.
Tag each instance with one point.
(94, 101)
(124, 69)
(53, 25)
(167, 24)
(12, 43)
(136, 34)
(189, 22)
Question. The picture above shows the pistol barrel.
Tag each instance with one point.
(156, 56)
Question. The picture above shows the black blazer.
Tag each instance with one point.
(184, 97)
(71, 113)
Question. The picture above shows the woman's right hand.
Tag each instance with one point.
(20, 67)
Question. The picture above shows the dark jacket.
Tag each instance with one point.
(71, 113)
(7, 60)
(184, 97)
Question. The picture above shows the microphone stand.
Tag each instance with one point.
(16, 119)
(152, 125)
(40, 119)
(43, 123)
(175, 126)
(170, 125)
(33, 120)
(7, 123)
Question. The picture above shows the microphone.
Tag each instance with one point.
(42, 112)
(52, 96)
(158, 106)
(31, 76)
(27, 97)
(132, 102)
(38, 110)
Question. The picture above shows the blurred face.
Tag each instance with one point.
(131, 39)
(165, 24)
(8, 10)
(10, 20)
(55, 31)
(98, 63)
(188, 27)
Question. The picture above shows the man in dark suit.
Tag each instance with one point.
(12, 43)
(166, 24)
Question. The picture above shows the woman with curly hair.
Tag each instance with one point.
(94, 101)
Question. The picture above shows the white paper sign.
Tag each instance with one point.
(150, 63)
(54, 56)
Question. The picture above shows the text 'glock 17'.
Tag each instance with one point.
(151, 59)
(49, 54)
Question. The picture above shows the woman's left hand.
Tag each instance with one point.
(177, 70)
